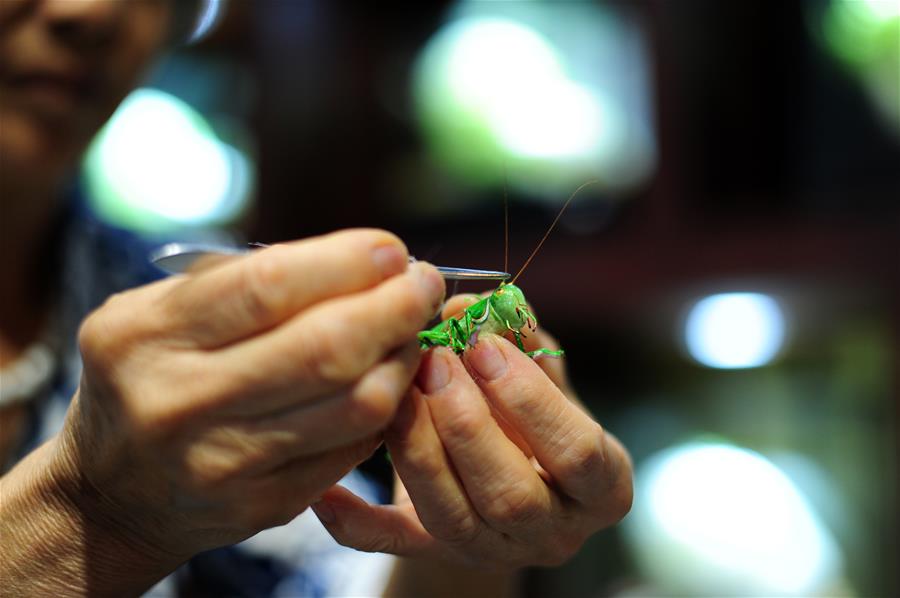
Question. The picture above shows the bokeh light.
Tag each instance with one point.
(865, 36)
(509, 76)
(712, 519)
(511, 88)
(735, 330)
(158, 165)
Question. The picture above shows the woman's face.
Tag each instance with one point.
(64, 67)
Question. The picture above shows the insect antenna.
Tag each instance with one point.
(547, 234)
(505, 220)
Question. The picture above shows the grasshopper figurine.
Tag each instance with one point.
(504, 310)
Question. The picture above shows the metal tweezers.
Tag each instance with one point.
(177, 258)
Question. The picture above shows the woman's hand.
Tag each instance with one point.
(217, 404)
(499, 468)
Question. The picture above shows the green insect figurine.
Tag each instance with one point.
(504, 310)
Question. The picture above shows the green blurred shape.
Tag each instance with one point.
(158, 165)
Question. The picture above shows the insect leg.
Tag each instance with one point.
(475, 324)
(548, 352)
(519, 341)
(430, 338)
(458, 334)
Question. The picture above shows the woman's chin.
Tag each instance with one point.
(34, 152)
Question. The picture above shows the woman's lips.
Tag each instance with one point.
(55, 94)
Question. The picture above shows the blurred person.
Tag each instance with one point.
(196, 411)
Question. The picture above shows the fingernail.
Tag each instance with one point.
(389, 259)
(323, 511)
(486, 358)
(432, 282)
(434, 374)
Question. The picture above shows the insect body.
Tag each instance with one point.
(504, 310)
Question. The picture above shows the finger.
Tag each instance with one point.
(329, 346)
(499, 480)
(281, 494)
(351, 415)
(511, 432)
(428, 476)
(353, 522)
(454, 307)
(552, 366)
(565, 440)
(395, 530)
(237, 298)
(620, 493)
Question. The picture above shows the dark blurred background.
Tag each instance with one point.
(727, 293)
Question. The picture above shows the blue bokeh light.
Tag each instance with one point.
(735, 330)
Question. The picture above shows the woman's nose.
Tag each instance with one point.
(84, 22)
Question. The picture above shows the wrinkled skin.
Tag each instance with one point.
(226, 401)
(498, 466)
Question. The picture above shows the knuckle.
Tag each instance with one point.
(583, 457)
(104, 341)
(426, 463)
(91, 340)
(207, 476)
(262, 288)
(112, 328)
(457, 528)
(329, 358)
(464, 427)
(622, 500)
(213, 463)
(515, 508)
(116, 301)
(98, 337)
